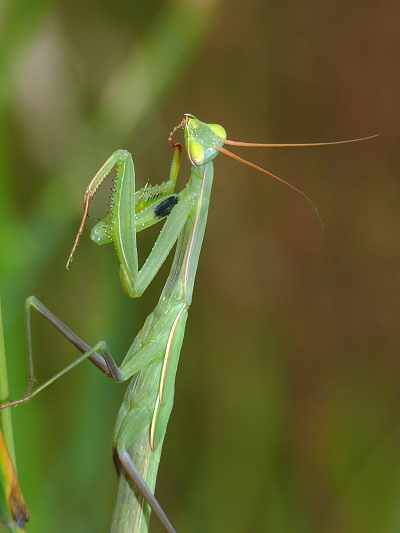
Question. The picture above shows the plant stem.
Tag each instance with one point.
(5, 414)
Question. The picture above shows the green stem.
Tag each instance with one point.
(5, 414)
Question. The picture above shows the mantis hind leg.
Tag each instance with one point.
(103, 361)
(98, 354)
(127, 467)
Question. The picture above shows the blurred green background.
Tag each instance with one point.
(287, 405)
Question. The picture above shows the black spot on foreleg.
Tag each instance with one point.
(164, 208)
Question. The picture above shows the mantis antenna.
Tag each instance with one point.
(275, 177)
(231, 142)
(232, 155)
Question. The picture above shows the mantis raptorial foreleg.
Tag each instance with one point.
(142, 202)
(135, 280)
(98, 354)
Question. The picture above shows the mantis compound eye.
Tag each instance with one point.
(203, 140)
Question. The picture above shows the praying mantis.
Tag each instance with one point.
(152, 360)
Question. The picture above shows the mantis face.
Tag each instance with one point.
(202, 140)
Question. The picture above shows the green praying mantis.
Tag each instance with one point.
(152, 360)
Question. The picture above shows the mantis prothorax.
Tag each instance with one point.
(151, 361)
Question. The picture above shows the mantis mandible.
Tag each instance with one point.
(152, 360)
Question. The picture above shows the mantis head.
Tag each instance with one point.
(202, 140)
